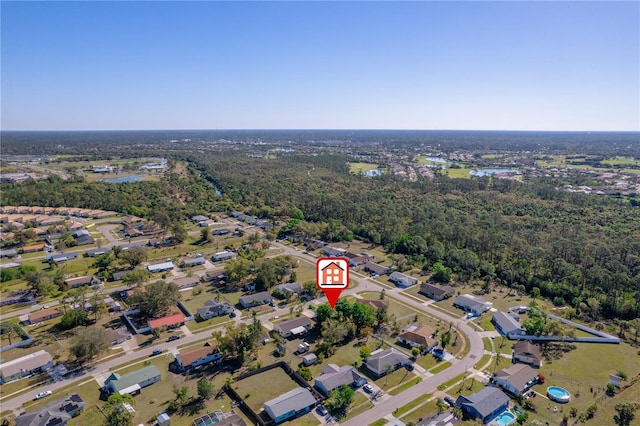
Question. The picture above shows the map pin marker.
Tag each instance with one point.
(332, 276)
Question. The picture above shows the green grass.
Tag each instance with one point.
(411, 405)
(469, 386)
(440, 367)
(483, 361)
(358, 168)
(487, 344)
(425, 411)
(451, 382)
(258, 389)
(403, 387)
(461, 173)
(379, 422)
(485, 323)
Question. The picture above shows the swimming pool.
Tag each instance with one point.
(505, 418)
(558, 394)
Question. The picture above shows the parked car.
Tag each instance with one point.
(322, 411)
(172, 338)
(449, 401)
(43, 394)
(232, 315)
(156, 352)
(368, 388)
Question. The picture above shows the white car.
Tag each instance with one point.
(43, 394)
(368, 388)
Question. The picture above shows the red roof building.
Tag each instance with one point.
(172, 321)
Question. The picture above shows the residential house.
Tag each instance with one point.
(418, 336)
(61, 257)
(82, 281)
(313, 244)
(159, 242)
(119, 335)
(217, 418)
(160, 267)
(83, 238)
(8, 253)
(27, 365)
(34, 248)
(402, 280)
(507, 325)
(98, 251)
(474, 304)
(527, 353)
(484, 405)
(329, 251)
(213, 308)
(382, 361)
(57, 413)
(446, 418)
(358, 259)
(191, 358)
(374, 303)
(291, 404)
(207, 223)
(193, 261)
(255, 299)
(437, 292)
(119, 276)
(289, 288)
(516, 379)
(187, 282)
(170, 322)
(20, 296)
(224, 255)
(294, 327)
(133, 382)
(44, 315)
(199, 218)
(334, 377)
(221, 231)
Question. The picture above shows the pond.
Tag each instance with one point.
(373, 172)
(488, 172)
(134, 178)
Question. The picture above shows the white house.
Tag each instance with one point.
(402, 280)
(517, 379)
(382, 361)
(334, 377)
(474, 304)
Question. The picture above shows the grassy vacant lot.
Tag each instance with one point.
(260, 388)
(358, 168)
(584, 372)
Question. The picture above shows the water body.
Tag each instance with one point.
(488, 172)
(373, 172)
(437, 160)
(134, 178)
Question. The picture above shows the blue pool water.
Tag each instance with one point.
(558, 394)
(487, 172)
(505, 418)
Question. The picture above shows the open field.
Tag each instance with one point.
(258, 389)
(358, 168)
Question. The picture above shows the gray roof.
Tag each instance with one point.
(296, 399)
(507, 323)
(486, 401)
(333, 376)
(436, 290)
(526, 348)
(375, 268)
(287, 326)
(213, 308)
(135, 377)
(27, 363)
(470, 301)
(263, 296)
(194, 261)
(379, 361)
(55, 413)
(117, 276)
(290, 287)
(518, 375)
(399, 277)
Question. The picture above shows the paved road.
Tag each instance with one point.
(382, 408)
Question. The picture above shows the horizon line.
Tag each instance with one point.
(315, 129)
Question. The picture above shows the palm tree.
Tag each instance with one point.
(389, 370)
(498, 361)
(441, 405)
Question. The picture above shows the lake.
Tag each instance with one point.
(124, 179)
(487, 172)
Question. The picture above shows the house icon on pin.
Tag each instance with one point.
(333, 274)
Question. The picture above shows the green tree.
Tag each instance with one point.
(310, 288)
(206, 389)
(134, 256)
(178, 233)
(441, 273)
(89, 342)
(340, 399)
(155, 299)
(114, 411)
(40, 282)
(205, 235)
(624, 414)
(136, 278)
(73, 318)
(445, 339)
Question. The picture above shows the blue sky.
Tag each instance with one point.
(315, 65)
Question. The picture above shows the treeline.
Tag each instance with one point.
(570, 246)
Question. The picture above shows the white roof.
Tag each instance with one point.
(298, 330)
(130, 389)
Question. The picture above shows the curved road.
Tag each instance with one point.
(381, 409)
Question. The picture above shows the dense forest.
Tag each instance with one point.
(578, 250)
(574, 248)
